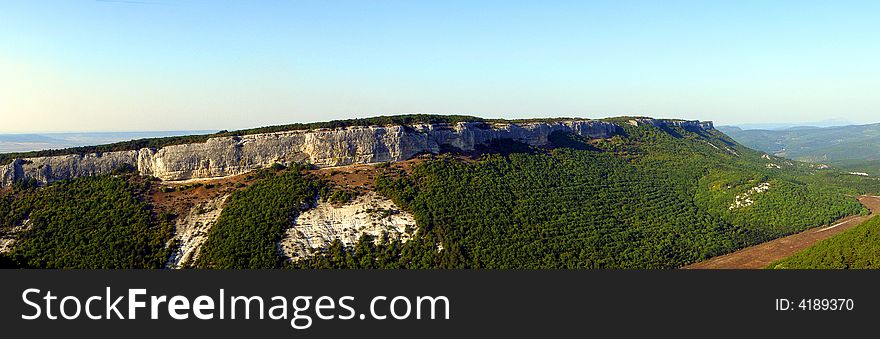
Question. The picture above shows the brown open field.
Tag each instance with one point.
(762, 255)
(188, 193)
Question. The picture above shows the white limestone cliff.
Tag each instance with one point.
(231, 155)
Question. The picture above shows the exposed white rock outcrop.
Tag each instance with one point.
(369, 214)
(6, 244)
(745, 199)
(8, 238)
(191, 231)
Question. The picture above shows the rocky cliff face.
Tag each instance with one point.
(223, 156)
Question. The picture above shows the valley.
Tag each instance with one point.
(854, 148)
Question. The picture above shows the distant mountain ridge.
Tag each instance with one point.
(853, 147)
(28, 142)
(792, 125)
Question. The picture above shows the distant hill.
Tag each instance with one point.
(48, 141)
(855, 148)
(791, 125)
(30, 142)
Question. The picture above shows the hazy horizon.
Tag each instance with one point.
(167, 65)
(834, 122)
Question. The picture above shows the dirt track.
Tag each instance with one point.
(762, 255)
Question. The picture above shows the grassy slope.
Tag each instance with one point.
(856, 248)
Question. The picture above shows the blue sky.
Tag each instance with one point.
(72, 65)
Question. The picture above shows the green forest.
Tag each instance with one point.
(94, 222)
(857, 248)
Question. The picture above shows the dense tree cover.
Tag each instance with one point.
(254, 219)
(644, 199)
(408, 119)
(784, 208)
(857, 248)
(95, 222)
